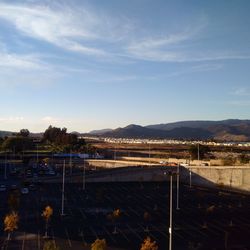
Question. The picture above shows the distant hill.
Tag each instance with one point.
(5, 133)
(100, 132)
(225, 130)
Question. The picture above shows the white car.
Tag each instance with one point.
(24, 190)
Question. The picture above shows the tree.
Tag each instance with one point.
(149, 245)
(201, 149)
(99, 245)
(47, 213)
(24, 132)
(244, 158)
(10, 223)
(50, 245)
(63, 141)
(17, 144)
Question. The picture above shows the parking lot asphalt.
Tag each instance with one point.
(207, 219)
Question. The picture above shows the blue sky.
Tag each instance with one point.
(103, 64)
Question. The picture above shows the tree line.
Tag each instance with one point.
(54, 139)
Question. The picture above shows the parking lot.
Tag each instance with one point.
(207, 219)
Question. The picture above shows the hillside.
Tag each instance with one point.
(225, 130)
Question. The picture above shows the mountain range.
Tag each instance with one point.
(225, 130)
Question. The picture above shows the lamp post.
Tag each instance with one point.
(70, 161)
(190, 178)
(37, 155)
(83, 177)
(177, 187)
(170, 210)
(149, 154)
(5, 167)
(63, 182)
(199, 154)
(170, 229)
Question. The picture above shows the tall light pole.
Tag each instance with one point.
(190, 178)
(177, 187)
(63, 182)
(170, 211)
(37, 155)
(198, 153)
(83, 176)
(14, 157)
(70, 161)
(149, 155)
(5, 167)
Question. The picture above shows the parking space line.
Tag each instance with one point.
(124, 235)
(109, 234)
(68, 239)
(82, 213)
(134, 232)
(93, 231)
(23, 243)
(38, 240)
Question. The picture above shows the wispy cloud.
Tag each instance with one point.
(167, 50)
(10, 60)
(92, 32)
(50, 119)
(180, 47)
(197, 68)
(63, 27)
(241, 91)
(11, 119)
(243, 103)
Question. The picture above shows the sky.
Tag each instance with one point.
(98, 64)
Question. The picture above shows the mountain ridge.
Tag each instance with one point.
(224, 130)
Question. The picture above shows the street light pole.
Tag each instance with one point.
(83, 177)
(170, 211)
(5, 167)
(177, 187)
(190, 178)
(70, 162)
(199, 154)
(149, 154)
(63, 182)
(37, 155)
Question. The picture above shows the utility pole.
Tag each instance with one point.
(63, 182)
(177, 187)
(170, 211)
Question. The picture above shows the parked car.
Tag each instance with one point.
(3, 188)
(24, 190)
(32, 187)
(13, 187)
